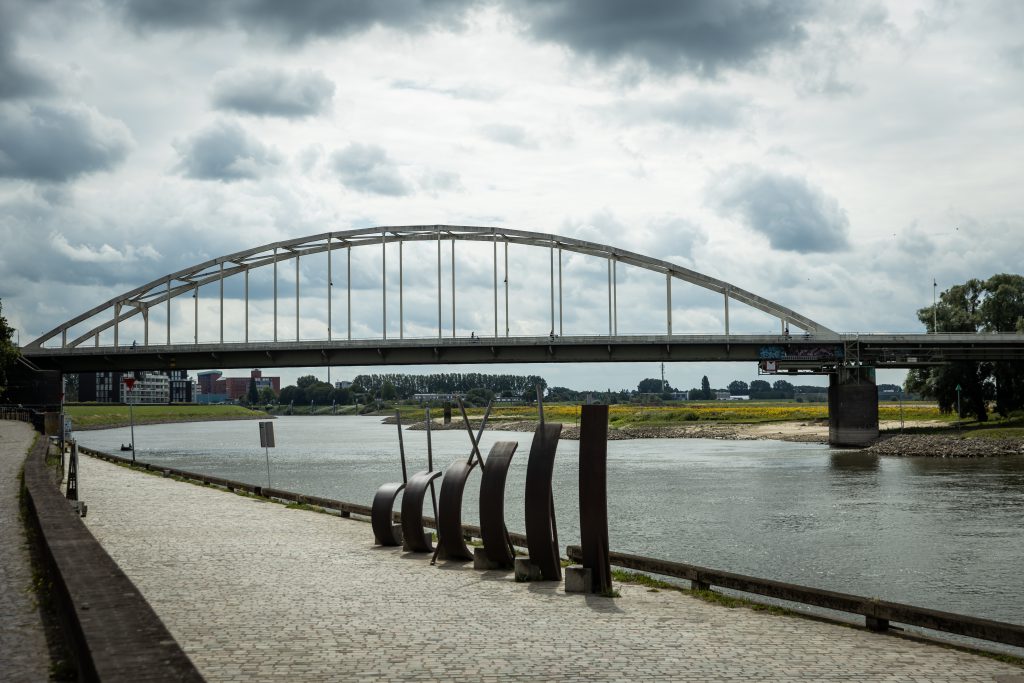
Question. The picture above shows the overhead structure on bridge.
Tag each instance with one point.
(111, 315)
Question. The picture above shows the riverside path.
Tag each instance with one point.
(23, 651)
(256, 591)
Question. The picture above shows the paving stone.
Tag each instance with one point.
(254, 591)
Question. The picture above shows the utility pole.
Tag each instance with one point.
(663, 378)
(935, 308)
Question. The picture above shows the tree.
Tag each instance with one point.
(253, 395)
(320, 393)
(71, 387)
(387, 391)
(653, 386)
(783, 388)
(993, 305)
(267, 395)
(738, 388)
(8, 351)
(306, 381)
(759, 386)
(705, 388)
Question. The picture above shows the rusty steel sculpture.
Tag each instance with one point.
(541, 529)
(493, 532)
(381, 517)
(594, 496)
(450, 543)
(414, 538)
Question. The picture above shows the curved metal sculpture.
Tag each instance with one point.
(414, 537)
(449, 512)
(541, 531)
(186, 282)
(493, 531)
(381, 517)
(594, 496)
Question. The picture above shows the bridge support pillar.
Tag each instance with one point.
(852, 407)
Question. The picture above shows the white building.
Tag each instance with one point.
(150, 387)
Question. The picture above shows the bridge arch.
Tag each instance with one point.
(111, 314)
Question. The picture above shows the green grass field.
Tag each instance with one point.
(723, 412)
(101, 416)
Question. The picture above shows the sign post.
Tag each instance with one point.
(959, 414)
(267, 441)
(130, 383)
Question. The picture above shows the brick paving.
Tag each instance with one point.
(256, 591)
(23, 650)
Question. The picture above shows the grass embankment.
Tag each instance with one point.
(723, 412)
(107, 416)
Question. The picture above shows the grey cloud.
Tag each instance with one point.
(793, 214)
(1014, 56)
(700, 36)
(18, 78)
(57, 143)
(294, 21)
(697, 111)
(225, 151)
(368, 168)
(506, 134)
(273, 92)
(436, 182)
(463, 91)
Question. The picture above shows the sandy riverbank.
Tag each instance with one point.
(891, 442)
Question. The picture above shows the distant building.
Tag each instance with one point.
(109, 387)
(182, 387)
(215, 388)
(343, 384)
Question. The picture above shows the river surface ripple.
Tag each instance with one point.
(946, 534)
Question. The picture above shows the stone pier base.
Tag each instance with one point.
(852, 408)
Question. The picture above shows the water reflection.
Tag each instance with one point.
(853, 462)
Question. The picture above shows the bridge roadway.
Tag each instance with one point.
(803, 351)
(254, 591)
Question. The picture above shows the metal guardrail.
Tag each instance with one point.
(877, 613)
(10, 413)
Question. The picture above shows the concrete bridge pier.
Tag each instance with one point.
(852, 407)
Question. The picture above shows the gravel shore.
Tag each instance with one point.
(889, 444)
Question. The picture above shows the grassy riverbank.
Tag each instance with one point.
(108, 416)
(722, 412)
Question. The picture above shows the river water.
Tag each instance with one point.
(941, 533)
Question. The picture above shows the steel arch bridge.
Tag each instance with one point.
(77, 345)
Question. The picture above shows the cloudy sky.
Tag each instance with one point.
(832, 157)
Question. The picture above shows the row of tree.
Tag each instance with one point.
(992, 305)
(402, 386)
(758, 389)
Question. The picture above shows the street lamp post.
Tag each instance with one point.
(935, 307)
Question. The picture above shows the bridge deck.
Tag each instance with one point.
(883, 350)
(256, 591)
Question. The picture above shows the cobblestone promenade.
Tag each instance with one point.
(255, 591)
(23, 652)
